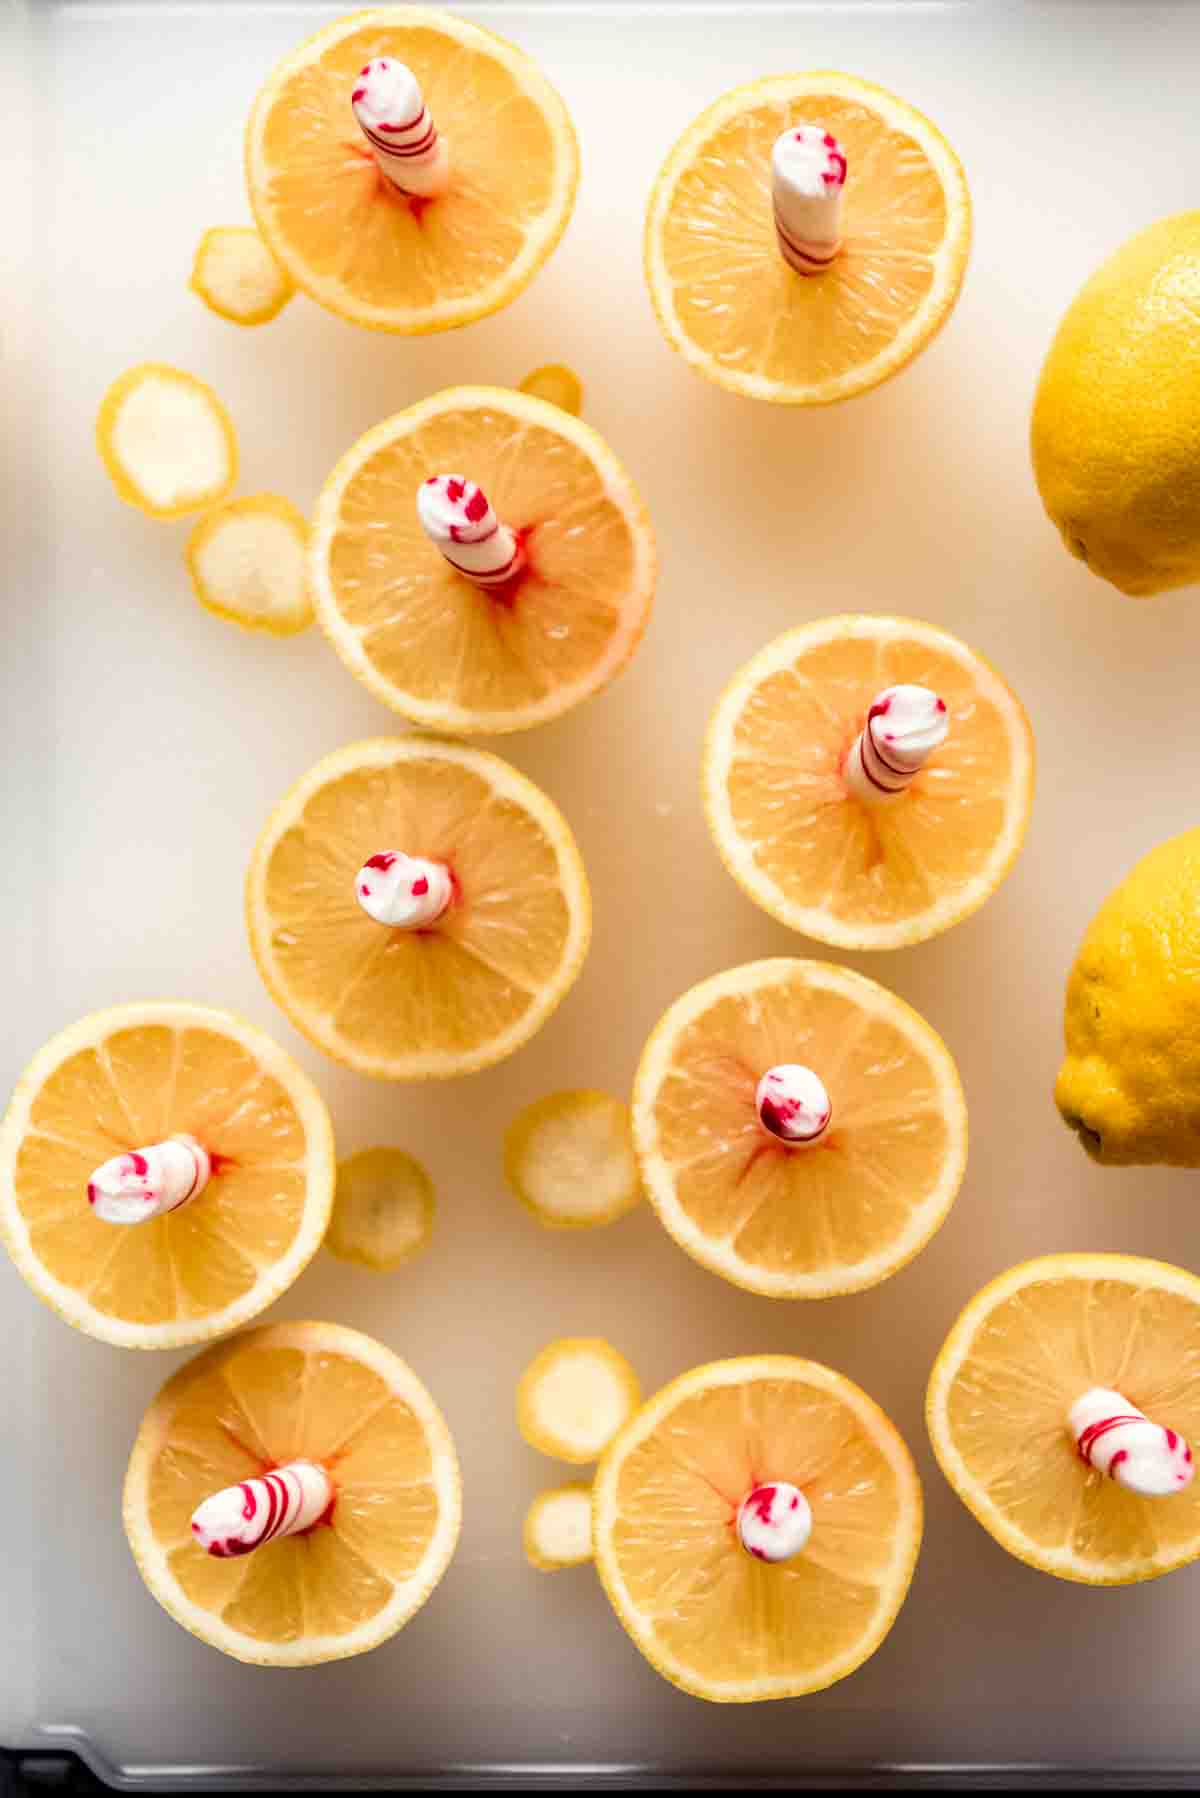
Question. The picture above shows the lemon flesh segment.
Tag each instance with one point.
(793, 833)
(569, 1158)
(311, 1391)
(343, 231)
(247, 563)
(558, 385)
(166, 440)
(812, 1222)
(1020, 1355)
(712, 1618)
(725, 297)
(383, 1209)
(574, 1396)
(118, 1081)
(237, 277)
(558, 1528)
(426, 640)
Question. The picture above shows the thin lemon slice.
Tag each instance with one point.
(285, 1392)
(426, 640)
(731, 305)
(247, 563)
(574, 1396)
(793, 834)
(418, 1004)
(558, 1528)
(841, 1214)
(569, 1158)
(166, 440)
(1022, 1353)
(123, 1080)
(708, 1616)
(383, 1209)
(558, 385)
(343, 231)
(237, 277)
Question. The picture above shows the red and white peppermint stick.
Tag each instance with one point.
(1117, 1439)
(808, 181)
(402, 891)
(774, 1521)
(241, 1518)
(793, 1105)
(146, 1183)
(458, 519)
(904, 726)
(394, 119)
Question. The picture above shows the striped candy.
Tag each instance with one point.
(808, 180)
(245, 1517)
(458, 518)
(394, 119)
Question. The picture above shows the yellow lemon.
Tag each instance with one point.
(1116, 417)
(1130, 1082)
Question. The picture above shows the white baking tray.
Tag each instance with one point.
(145, 742)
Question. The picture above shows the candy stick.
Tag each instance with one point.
(774, 1521)
(904, 726)
(1116, 1438)
(395, 121)
(458, 519)
(808, 181)
(792, 1104)
(133, 1188)
(281, 1503)
(403, 891)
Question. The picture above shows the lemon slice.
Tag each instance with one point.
(166, 440)
(569, 1158)
(574, 1396)
(247, 563)
(277, 1394)
(731, 305)
(237, 277)
(799, 1222)
(425, 639)
(344, 232)
(793, 833)
(711, 1617)
(558, 1528)
(556, 384)
(418, 1004)
(382, 1209)
(134, 1076)
(1022, 1353)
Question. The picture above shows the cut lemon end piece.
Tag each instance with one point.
(569, 1158)
(725, 297)
(166, 440)
(133, 1076)
(808, 1222)
(574, 1396)
(712, 1618)
(557, 385)
(247, 563)
(383, 1209)
(280, 1393)
(791, 831)
(418, 1004)
(426, 640)
(558, 1528)
(342, 230)
(1024, 1350)
(237, 277)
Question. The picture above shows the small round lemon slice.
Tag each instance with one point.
(166, 440)
(247, 563)
(574, 1397)
(558, 384)
(569, 1158)
(558, 1527)
(383, 1209)
(237, 277)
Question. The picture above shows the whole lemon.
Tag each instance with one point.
(1130, 1083)
(1116, 417)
